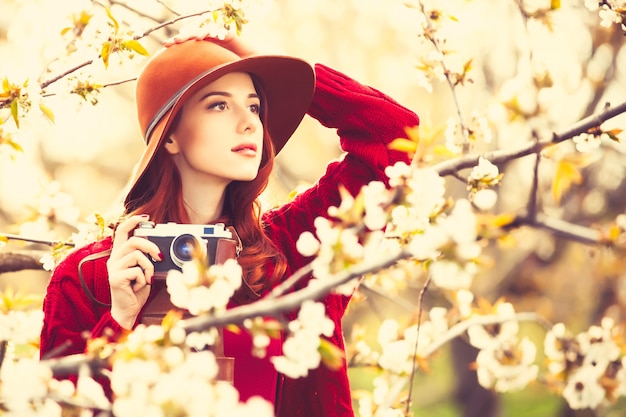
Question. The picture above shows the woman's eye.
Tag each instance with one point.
(219, 106)
(255, 108)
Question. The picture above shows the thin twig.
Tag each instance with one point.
(50, 243)
(532, 197)
(417, 337)
(133, 10)
(170, 22)
(399, 301)
(290, 282)
(46, 83)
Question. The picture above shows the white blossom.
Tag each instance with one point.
(200, 294)
(21, 327)
(485, 199)
(388, 331)
(452, 275)
(485, 172)
(300, 350)
(307, 244)
(583, 390)
(587, 142)
(496, 370)
(496, 336)
(396, 357)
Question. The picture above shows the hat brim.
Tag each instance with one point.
(287, 84)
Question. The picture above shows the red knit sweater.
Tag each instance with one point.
(366, 121)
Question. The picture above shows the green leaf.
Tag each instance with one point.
(46, 112)
(613, 134)
(136, 46)
(14, 111)
(331, 355)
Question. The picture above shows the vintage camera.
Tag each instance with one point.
(181, 243)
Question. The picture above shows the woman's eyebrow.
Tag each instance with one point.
(223, 93)
(214, 93)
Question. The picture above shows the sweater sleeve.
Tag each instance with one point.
(70, 315)
(366, 121)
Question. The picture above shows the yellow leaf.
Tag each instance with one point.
(47, 112)
(233, 328)
(403, 145)
(171, 318)
(115, 24)
(413, 132)
(65, 30)
(14, 111)
(136, 46)
(443, 150)
(614, 233)
(11, 300)
(100, 221)
(567, 173)
(106, 52)
(84, 17)
(16, 146)
(503, 219)
(613, 134)
(5, 84)
(555, 4)
(507, 241)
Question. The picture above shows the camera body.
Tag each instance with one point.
(181, 243)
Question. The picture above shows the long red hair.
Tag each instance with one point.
(163, 201)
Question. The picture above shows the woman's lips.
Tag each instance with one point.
(246, 149)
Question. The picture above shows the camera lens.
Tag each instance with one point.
(184, 248)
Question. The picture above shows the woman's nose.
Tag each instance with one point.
(248, 121)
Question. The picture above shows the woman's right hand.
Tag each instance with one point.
(130, 271)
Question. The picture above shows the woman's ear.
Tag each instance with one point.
(171, 145)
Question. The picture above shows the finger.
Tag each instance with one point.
(140, 281)
(124, 229)
(138, 259)
(125, 278)
(148, 247)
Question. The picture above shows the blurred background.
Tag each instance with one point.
(80, 164)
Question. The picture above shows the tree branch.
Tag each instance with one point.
(450, 167)
(264, 307)
(19, 261)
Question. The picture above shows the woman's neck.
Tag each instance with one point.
(204, 205)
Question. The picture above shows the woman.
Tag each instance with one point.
(213, 122)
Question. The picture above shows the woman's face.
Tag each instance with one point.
(219, 137)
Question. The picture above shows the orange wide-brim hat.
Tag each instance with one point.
(174, 74)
